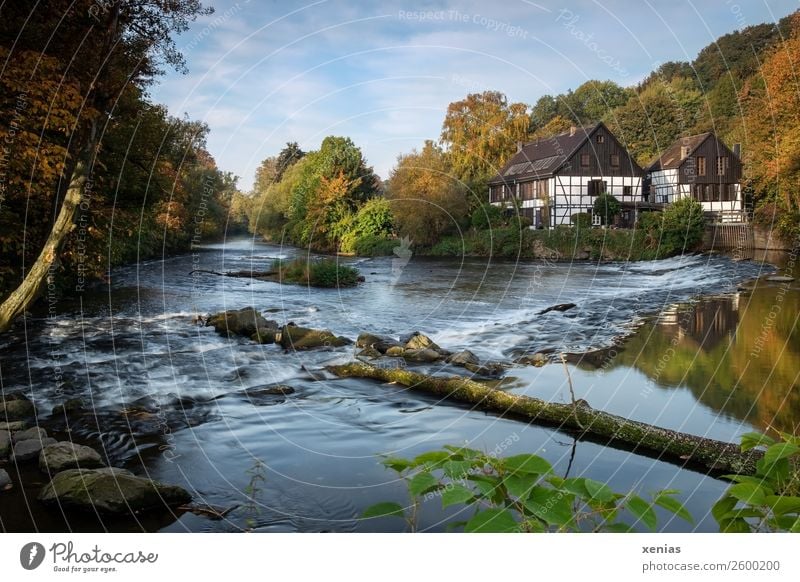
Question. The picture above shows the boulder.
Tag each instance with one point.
(13, 426)
(265, 335)
(381, 343)
(462, 358)
(15, 409)
(395, 351)
(304, 338)
(110, 491)
(5, 480)
(33, 433)
(419, 341)
(422, 355)
(489, 369)
(243, 322)
(66, 455)
(5, 443)
(538, 359)
(28, 450)
(369, 352)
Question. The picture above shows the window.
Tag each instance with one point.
(541, 189)
(496, 194)
(627, 190)
(584, 160)
(595, 187)
(597, 220)
(526, 190)
(614, 161)
(600, 138)
(722, 165)
(708, 196)
(697, 192)
(701, 166)
(684, 152)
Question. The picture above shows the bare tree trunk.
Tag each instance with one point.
(28, 291)
(665, 444)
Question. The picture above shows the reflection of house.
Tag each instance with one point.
(700, 167)
(707, 323)
(554, 178)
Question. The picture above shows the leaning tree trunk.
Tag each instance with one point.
(668, 444)
(28, 291)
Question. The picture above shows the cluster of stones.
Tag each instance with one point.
(79, 478)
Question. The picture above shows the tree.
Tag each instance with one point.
(102, 48)
(607, 207)
(427, 200)
(480, 133)
(682, 226)
(772, 100)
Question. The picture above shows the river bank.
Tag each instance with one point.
(182, 404)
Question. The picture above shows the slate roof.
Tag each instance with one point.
(541, 158)
(671, 159)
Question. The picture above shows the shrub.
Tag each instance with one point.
(607, 207)
(316, 273)
(374, 246)
(581, 219)
(486, 216)
(683, 226)
(776, 217)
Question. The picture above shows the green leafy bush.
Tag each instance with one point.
(518, 494)
(375, 246)
(683, 226)
(769, 500)
(316, 273)
(486, 216)
(581, 219)
(607, 207)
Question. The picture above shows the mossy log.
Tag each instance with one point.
(716, 456)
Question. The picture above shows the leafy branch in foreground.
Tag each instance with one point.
(769, 500)
(518, 494)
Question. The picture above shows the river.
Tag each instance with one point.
(681, 344)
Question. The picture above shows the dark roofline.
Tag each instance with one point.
(658, 158)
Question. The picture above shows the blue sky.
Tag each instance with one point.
(264, 72)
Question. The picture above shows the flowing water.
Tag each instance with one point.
(670, 342)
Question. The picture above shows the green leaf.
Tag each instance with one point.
(781, 505)
(796, 527)
(599, 491)
(780, 451)
(431, 457)
(722, 507)
(455, 494)
(745, 512)
(527, 464)
(457, 469)
(553, 507)
(643, 511)
(464, 452)
(421, 483)
(777, 471)
(519, 486)
(673, 506)
(383, 510)
(492, 521)
(749, 493)
(485, 484)
(397, 464)
(734, 526)
(620, 528)
(752, 440)
(576, 485)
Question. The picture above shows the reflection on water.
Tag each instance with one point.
(738, 354)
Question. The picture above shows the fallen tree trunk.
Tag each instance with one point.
(240, 274)
(714, 455)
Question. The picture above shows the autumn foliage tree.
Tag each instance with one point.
(427, 198)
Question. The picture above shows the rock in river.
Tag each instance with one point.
(463, 358)
(28, 450)
(5, 443)
(304, 338)
(32, 433)
(380, 343)
(419, 341)
(15, 408)
(5, 480)
(243, 322)
(110, 491)
(422, 355)
(66, 455)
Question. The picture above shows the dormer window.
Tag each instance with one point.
(685, 152)
(600, 138)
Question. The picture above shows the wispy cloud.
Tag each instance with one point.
(266, 72)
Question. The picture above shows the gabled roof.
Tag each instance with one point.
(541, 158)
(671, 158)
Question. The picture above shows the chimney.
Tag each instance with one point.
(572, 130)
(737, 150)
(519, 146)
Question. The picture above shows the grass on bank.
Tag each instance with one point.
(327, 273)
